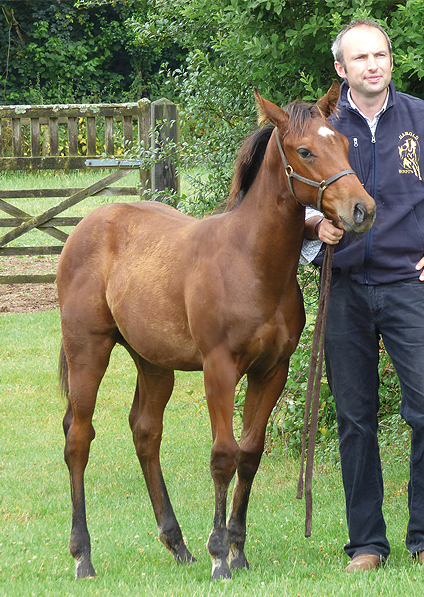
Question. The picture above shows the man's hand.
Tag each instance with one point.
(331, 235)
(319, 228)
(420, 266)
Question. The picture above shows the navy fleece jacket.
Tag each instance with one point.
(391, 168)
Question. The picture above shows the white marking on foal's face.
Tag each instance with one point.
(324, 131)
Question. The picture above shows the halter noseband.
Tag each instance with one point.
(321, 186)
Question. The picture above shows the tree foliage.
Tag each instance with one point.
(283, 46)
(59, 51)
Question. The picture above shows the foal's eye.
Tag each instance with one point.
(304, 153)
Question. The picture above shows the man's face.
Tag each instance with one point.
(368, 64)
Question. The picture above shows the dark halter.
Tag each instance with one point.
(321, 186)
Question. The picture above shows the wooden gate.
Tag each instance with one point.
(66, 137)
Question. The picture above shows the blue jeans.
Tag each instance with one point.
(358, 316)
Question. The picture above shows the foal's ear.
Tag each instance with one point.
(328, 102)
(269, 111)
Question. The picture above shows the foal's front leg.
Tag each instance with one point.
(220, 382)
(261, 398)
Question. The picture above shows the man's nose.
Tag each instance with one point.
(371, 63)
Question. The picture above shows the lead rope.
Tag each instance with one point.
(313, 391)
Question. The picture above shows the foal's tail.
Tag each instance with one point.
(63, 374)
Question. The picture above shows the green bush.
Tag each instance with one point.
(77, 52)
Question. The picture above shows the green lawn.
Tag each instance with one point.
(129, 559)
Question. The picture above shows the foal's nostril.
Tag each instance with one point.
(359, 213)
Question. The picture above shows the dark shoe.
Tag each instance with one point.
(365, 561)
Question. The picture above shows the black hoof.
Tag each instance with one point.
(84, 568)
(239, 562)
(220, 570)
(182, 555)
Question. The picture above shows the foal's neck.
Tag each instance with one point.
(272, 222)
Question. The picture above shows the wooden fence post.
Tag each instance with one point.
(144, 138)
(164, 117)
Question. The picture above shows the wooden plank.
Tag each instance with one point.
(144, 141)
(65, 221)
(28, 279)
(12, 210)
(36, 221)
(164, 176)
(91, 135)
(54, 136)
(47, 228)
(16, 137)
(49, 193)
(128, 132)
(35, 137)
(37, 193)
(73, 135)
(45, 250)
(76, 110)
(118, 192)
(43, 163)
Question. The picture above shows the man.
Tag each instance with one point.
(377, 287)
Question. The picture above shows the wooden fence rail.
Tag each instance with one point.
(78, 136)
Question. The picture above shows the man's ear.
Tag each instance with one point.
(340, 70)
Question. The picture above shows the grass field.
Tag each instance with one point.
(35, 511)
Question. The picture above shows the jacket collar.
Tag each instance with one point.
(343, 101)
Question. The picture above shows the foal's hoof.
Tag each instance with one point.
(220, 570)
(182, 555)
(239, 561)
(84, 568)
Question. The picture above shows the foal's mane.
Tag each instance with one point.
(251, 154)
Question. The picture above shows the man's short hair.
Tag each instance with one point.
(336, 47)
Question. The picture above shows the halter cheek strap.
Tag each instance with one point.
(321, 186)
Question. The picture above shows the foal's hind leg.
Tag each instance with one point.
(154, 388)
(261, 398)
(86, 367)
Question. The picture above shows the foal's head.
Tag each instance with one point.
(317, 152)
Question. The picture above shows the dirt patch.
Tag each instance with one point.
(27, 298)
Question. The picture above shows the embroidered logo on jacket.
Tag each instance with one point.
(409, 154)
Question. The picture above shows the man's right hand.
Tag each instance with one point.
(319, 228)
(328, 233)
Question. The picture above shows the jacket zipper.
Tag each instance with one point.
(368, 244)
(373, 192)
(370, 233)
